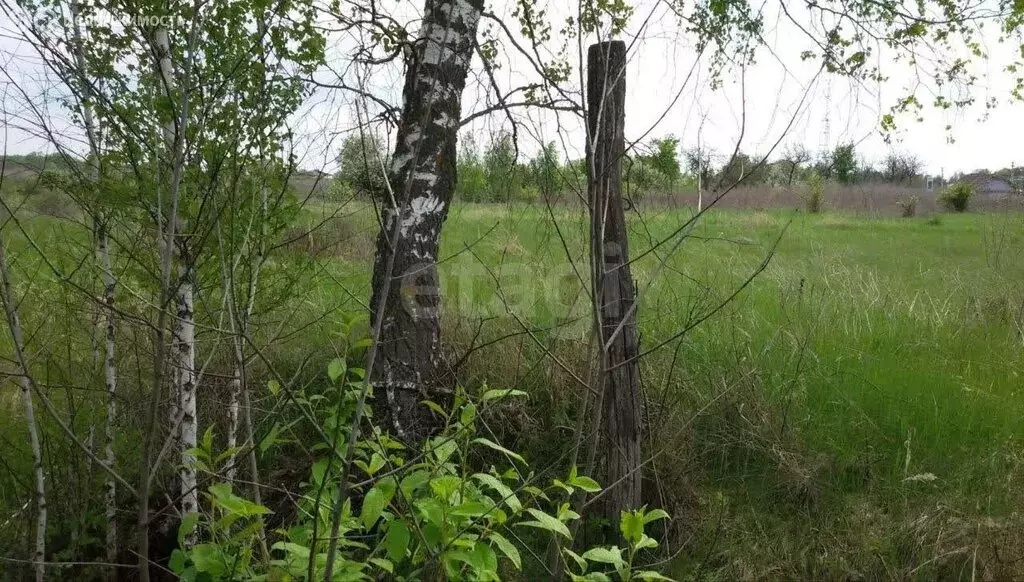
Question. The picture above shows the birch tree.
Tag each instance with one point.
(25, 383)
(405, 298)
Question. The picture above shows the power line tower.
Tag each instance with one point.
(825, 139)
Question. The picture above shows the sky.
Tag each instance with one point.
(777, 101)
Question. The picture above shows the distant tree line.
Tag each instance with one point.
(498, 171)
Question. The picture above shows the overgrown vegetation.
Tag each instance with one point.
(957, 197)
(519, 374)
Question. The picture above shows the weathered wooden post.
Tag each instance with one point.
(611, 278)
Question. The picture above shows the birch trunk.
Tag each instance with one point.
(173, 148)
(184, 354)
(422, 176)
(110, 379)
(109, 286)
(11, 310)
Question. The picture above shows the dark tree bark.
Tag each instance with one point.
(422, 176)
(614, 294)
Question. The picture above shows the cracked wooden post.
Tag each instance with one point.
(612, 281)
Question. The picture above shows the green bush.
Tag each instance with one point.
(908, 206)
(407, 515)
(528, 194)
(815, 193)
(957, 197)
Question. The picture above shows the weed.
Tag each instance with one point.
(908, 206)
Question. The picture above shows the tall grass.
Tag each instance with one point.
(855, 412)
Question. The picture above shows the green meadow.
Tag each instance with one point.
(825, 395)
(853, 411)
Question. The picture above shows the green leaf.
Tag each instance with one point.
(468, 413)
(591, 577)
(646, 542)
(292, 548)
(436, 408)
(274, 386)
(507, 548)
(611, 555)
(631, 523)
(383, 564)
(548, 522)
(188, 525)
(363, 343)
(376, 500)
(271, 438)
(207, 442)
(585, 483)
(445, 486)
(318, 470)
(655, 516)
(443, 448)
(177, 561)
(481, 559)
(503, 490)
(336, 369)
(650, 575)
(397, 540)
(209, 558)
(493, 445)
(412, 482)
(499, 393)
(580, 562)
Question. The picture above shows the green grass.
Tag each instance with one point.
(797, 430)
(868, 352)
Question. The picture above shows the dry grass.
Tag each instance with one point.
(880, 199)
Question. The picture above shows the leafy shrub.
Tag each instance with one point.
(407, 515)
(957, 197)
(815, 193)
(528, 194)
(908, 206)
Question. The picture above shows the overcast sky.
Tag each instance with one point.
(778, 99)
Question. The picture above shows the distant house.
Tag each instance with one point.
(990, 186)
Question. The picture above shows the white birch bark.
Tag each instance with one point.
(109, 286)
(110, 379)
(183, 377)
(184, 353)
(10, 309)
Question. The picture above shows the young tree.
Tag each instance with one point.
(472, 183)
(25, 383)
(503, 176)
(359, 164)
(844, 163)
(795, 158)
(665, 158)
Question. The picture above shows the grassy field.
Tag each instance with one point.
(854, 412)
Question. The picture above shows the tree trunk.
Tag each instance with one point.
(11, 311)
(109, 286)
(612, 281)
(422, 178)
(110, 380)
(174, 151)
(184, 353)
